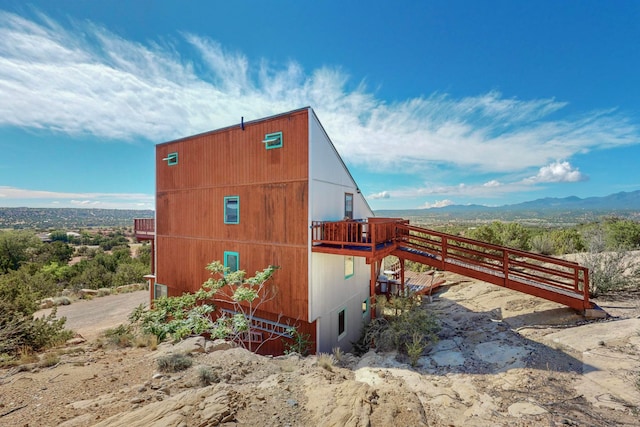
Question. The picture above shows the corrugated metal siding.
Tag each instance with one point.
(273, 190)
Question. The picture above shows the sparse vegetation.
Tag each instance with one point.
(326, 361)
(174, 362)
(207, 376)
(299, 343)
(403, 320)
(191, 314)
(120, 336)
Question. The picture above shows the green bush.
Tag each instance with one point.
(403, 321)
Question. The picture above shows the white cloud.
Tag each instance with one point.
(436, 204)
(81, 79)
(557, 172)
(12, 196)
(380, 195)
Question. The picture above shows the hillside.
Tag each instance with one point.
(503, 359)
(68, 218)
(559, 211)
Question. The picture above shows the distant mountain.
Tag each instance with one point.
(69, 218)
(626, 204)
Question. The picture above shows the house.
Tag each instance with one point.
(275, 191)
(247, 195)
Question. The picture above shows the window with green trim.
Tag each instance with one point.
(232, 260)
(348, 266)
(171, 159)
(232, 210)
(342, 323)
(273, 140)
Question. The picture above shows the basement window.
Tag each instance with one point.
(232, 210)
(171, 159)
(232, 261)
(273, 140)
(342, 323)
(365, 308)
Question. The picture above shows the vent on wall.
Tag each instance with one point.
(272, 140)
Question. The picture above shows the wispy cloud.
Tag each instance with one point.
(11, 196)
(82, 79)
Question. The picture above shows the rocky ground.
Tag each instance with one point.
(503, 359)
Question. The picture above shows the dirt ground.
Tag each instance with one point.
(503, 359)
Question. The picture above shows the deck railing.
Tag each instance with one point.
(144, 228)
(498, 261)
(357, 234)
(509, 267)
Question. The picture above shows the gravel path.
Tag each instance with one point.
(90, 318)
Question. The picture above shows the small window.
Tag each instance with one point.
(342, 323)
(232, 210)
(348, 266)
(232, 261)
(348, 205)
(365, 308)
(159, 291)
(273, 140)
(171, 159)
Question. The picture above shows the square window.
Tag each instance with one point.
(232, 261)
(348, 266)
(232, 210)
(348, 205)
(273, 140)
(342, 323)
(171, 159)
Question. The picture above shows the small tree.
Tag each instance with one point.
(246, 295)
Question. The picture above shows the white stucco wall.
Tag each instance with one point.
(329, 290)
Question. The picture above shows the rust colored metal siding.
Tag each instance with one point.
(272, 186)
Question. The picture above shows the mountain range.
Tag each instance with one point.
(624, 204)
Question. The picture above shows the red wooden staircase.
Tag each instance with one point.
(546, 277)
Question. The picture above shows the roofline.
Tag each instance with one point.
(209, 132)
(340, 158)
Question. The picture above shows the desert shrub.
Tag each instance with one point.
(543, 244)
(49, 359)
(326, 361)
(403, 319)
(207, 376)
(611, 272)
(19, 331)
(120, 336)
(175, 362)
(299, 343)
(415, 348)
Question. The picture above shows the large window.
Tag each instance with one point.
(232, 210)
(342, 323)
(232, 261)
(348, 266)
(348, 205)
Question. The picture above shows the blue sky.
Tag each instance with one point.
(429, 102)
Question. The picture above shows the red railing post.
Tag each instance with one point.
(505, 266)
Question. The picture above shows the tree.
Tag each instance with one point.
(246, 295)
(190, 314)
(16, 248)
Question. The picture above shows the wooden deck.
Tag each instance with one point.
(144, 228)
(546, 277)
